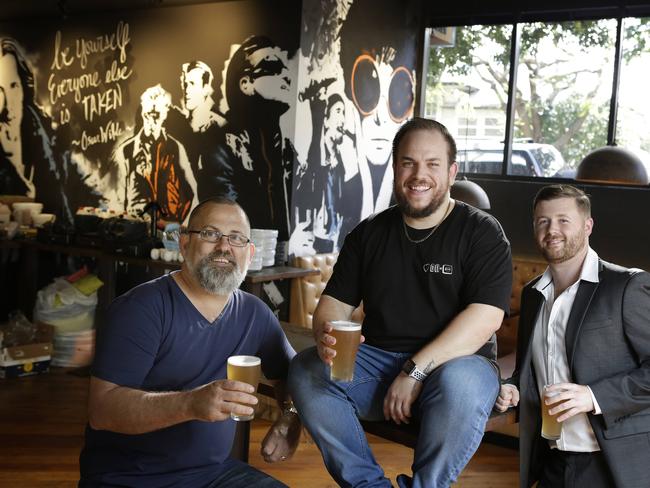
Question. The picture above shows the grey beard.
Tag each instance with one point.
(219, 281)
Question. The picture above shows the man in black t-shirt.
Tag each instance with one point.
(434, 276)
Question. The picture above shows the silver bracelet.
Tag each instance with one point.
(289, 407)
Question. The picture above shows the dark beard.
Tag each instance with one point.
(418, 213)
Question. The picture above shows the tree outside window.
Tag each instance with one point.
(563, 91)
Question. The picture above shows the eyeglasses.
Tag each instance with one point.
(269, 66)
(214, 236)
(367, 89)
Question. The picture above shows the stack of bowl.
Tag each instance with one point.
(23, 211)
(5, 213)
(29, 213)
(265, 241)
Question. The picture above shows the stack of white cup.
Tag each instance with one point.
(265, 241)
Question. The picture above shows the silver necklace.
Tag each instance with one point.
(435, 227)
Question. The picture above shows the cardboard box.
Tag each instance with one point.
(28, 359)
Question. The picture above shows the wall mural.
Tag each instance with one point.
(152, 106)
(177, 104)
(31, 162)
(356, 87)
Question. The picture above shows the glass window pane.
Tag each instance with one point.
(564, 84)
(467, 91)
(633, 100)
(464, 121)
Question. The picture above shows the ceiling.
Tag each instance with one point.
(15, 9)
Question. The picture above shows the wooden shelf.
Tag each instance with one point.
(106, 266)
(279, 273)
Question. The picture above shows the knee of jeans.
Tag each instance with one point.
(469, 376)
(303, 366)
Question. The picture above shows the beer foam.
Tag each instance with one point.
(245, 361)
(345, 325)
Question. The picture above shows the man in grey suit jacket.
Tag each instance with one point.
(584, 329)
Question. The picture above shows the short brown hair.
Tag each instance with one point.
(553, 192)
(420, 123)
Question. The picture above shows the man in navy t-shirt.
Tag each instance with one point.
(160, 403)
(434, 276)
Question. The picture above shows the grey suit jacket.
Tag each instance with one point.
(608, 349)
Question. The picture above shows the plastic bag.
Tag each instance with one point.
(17, 331)
(62, 305)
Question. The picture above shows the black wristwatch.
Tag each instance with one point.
(410, 368)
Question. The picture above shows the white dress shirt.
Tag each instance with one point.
(549, 353)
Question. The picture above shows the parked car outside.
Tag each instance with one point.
(528, 159)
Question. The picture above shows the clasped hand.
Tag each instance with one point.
(508, 397)
(282, 438)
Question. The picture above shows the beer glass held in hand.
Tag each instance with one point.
(551, 428)
(348, 335)
(248, 370)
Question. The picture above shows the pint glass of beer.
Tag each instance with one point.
(248, 370)
(347, 336)
(551, 428)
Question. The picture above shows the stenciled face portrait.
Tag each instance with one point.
(11, 104)
(383, 95)
(155, 106)
(269, 77)
(561, 230)
(219, 267)
(195, 90)
(422, 174)
(334, 123)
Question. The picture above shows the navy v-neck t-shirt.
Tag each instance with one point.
(156, 340)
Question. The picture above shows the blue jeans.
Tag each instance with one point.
(452, 410)
(238, 474)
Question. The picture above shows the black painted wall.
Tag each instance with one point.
(621, 231)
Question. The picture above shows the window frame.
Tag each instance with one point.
(516, 20)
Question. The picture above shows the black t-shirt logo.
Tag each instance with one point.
(446, 269)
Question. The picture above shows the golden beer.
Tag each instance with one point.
(551, 428)
(347, 336)
(246, 369)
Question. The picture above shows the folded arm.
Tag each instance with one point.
(464, 335)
